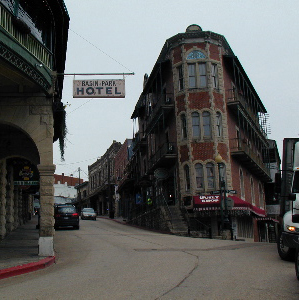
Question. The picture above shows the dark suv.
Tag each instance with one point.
(65, 216)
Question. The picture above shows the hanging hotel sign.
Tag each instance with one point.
(99, 88)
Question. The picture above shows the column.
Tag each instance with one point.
(46, 231)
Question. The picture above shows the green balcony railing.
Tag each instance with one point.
(26, 40)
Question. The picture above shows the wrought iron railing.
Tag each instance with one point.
(165, 149)
(26, 40)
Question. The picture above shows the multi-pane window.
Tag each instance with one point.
(197, 75)
(195, 125)
(192, 75)
(199, 176)
(184, 126)
(202, 75)
(181, 78)
(210, 175)
(214, 70)
(218, 124)
(187, 178)
(261, 195)
(206, 120)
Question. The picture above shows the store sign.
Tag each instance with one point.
(99, 88)
(25, 173)
(206, 200)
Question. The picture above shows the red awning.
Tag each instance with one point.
(208, 202)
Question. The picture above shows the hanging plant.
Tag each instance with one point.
(60, 129)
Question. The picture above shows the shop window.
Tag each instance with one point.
(187, 178)
(206, 120)
(210, 175)
(195, 125)
(199, 176)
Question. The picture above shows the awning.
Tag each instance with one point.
(212, 202)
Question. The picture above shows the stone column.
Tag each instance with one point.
(10, 200)
(2, 199)
(17, 199)
(46, 231)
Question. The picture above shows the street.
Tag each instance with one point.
(108, 260)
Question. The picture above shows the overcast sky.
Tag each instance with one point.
(127, 36)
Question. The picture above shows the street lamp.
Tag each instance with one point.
(225, 224)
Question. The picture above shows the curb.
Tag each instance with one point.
(26, 268)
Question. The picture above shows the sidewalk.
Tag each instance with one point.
(19, 251)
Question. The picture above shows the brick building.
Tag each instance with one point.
(101, 186)
(202, 139)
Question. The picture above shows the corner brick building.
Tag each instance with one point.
(202, 149)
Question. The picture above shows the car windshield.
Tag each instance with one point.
(66, 210)
(88, 210)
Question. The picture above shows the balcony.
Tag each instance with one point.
(237, 102)
(162, 107)
(139, 142)
(20, 32)
(249, 158)
(164, 157)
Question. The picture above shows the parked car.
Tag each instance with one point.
(66, 216)
(88, 213)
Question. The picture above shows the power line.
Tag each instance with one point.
(100, 50)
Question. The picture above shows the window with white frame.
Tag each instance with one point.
(202, 75)
(206, 122)
(192, 75)
(218, 124)
(181, 78)
(195, 125)
(210, 175)
(187, 178)
(214, 73)
(197, 74)
(184, 126)
(199, 176)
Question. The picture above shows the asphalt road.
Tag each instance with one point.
(108, 260)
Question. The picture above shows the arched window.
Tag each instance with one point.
(210, 175)
(195, 125)
(199, 176)
(242, 184)
(184, 126)
(206, 120)
(196, 54)
(218, 124)
(187, 178)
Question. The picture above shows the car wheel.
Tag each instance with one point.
(297, 263)
(77, 227)
(285, 253)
